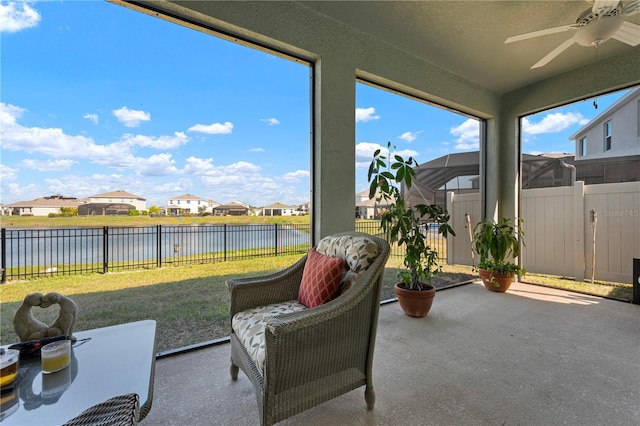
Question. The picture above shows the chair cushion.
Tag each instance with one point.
(320, 279)
(357, 252)
(249, 326)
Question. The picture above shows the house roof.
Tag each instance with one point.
(232, 206)
(277, 205)
(54, 202)
(187, 197)
(118, 194)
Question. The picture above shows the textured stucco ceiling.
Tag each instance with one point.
(467, 37)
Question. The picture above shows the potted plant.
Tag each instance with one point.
(494, 242)
(407, 226)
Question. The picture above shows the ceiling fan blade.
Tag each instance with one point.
(628, 33)
(631, 8)
(555, 52)
(602, 7)
(540, 33)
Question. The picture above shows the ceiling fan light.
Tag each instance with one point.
(598, 31)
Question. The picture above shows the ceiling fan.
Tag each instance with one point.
(594, 26)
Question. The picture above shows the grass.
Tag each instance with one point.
(191, 303)
(100, 221)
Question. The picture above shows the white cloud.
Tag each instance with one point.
(84, 186)
(366, 114)
(406, 153)
(48, 141)
(409, 136)
(17, 16)
(212, 129)
(159, 142)
(270, 121)
(256, 150)
(156, 165)
(198, 166)
(7, 173)
(468, 134)
(174, 187)
(296, 176)
(364, 153)
(92, 117)
(131, 117)
(553, 123)
(47, 165)
(55, 143)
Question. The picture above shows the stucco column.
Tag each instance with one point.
(489, 166)
(333, 147)
(500, 160)
(508, 155)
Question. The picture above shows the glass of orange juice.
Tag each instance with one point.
(55, 356)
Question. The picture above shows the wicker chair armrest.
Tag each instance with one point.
(333, 310)
(248, 293)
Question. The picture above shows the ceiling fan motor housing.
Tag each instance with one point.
(597, 31)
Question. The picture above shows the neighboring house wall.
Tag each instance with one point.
(119, 197)
(622, 121)
(559, 233)
(35, 211)
(105, 209)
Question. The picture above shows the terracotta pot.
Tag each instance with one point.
(413, 302)
(495, 281)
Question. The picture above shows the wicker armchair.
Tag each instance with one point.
(310, 355)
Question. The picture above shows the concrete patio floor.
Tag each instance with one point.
(531, 356)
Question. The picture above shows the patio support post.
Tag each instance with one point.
(508, 155)
(333, 152)
(489, 170)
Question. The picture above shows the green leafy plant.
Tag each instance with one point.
(405, 224)
(494, 242)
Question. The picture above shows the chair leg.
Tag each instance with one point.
(370, 397)
(234, 372)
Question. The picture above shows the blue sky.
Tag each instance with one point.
(95, 97)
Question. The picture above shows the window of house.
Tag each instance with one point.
(582, 148)
(607, 135)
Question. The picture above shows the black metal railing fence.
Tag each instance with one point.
(40, 252)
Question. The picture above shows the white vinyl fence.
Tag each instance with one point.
(559, 230)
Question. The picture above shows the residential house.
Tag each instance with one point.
(42, 206)
(303, 209)
(369, 208)
(608, 147)
(615, 132)
(235, 208)
(135, 202)
(189, 204)
(278, 209)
